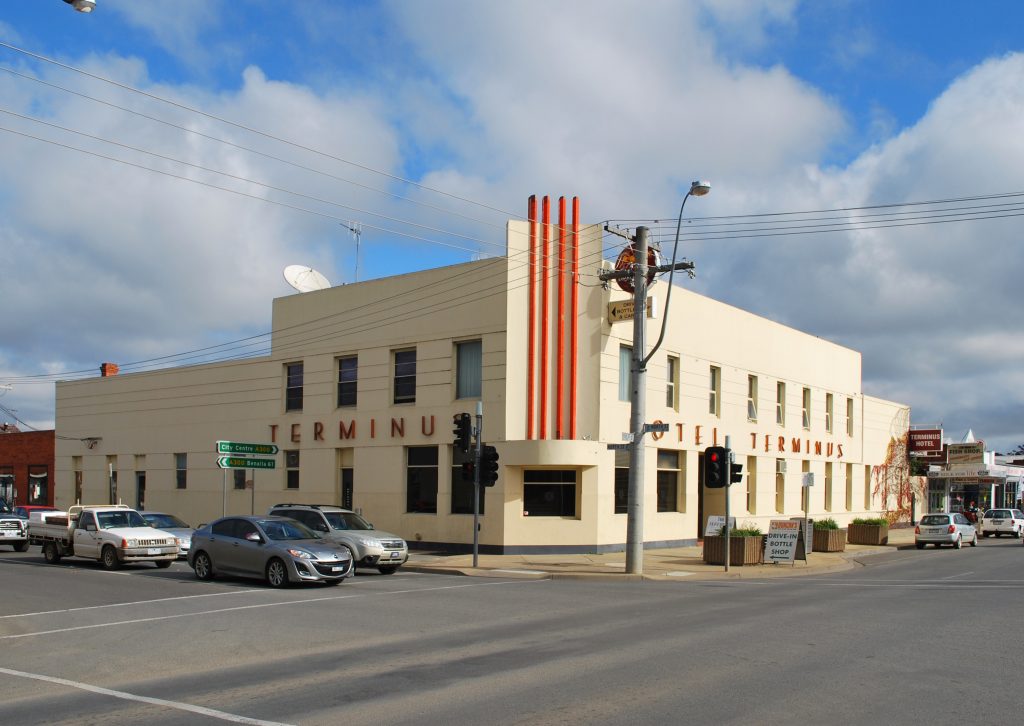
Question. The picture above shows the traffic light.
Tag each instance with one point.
(488, 466)
(716, 467)
(468, 468)
(463, 431)
(735, 473)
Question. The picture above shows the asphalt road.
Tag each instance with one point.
(913, 637)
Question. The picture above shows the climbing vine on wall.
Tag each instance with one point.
(894, 487)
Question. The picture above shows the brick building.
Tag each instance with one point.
(26, 466)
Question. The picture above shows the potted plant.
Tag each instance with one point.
(868, 531)
(745, 547)
(828, 537)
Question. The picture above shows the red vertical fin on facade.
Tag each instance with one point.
(574, 330)
(544, 239)
(560, 323)
(531, 332)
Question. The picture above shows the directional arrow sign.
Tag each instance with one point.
(235, 447)
(242, 462)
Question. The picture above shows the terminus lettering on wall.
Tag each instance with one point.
(769, 442)
(348, 431)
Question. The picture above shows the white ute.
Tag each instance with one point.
(110, 533)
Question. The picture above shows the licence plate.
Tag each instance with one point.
(335, 569)
(395, 555)
(153, 551)
(6, 533)
(997, 521)
(936, 530)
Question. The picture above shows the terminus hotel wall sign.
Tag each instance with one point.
(697, 435)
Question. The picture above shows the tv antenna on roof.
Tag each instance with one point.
(305, 279)
(357, 231)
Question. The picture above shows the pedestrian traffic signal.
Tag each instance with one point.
(716, 467)
(735, 473)
(463, 431)
(468, 469)
(488, 466)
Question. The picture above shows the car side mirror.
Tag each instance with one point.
(90, 528)
(254, 537)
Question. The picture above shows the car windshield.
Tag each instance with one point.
(109, 520)
(346, 520)
(165, 521)
(935, 519)
(997, 513)
(286, 529)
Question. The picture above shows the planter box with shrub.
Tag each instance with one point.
(745, 548)
(868, 531)
(828, 537)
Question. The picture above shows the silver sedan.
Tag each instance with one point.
(275, 549)
(950, 528)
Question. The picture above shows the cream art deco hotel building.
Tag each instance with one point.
(362, 381)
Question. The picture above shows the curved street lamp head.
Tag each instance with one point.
(700, 188)
(82, 6)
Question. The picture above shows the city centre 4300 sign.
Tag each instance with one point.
(236, 447)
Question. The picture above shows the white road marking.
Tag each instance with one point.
(264, 605)
(962, 574)
(124, 604)
(143, 699)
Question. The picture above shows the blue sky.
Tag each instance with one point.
(786, 106)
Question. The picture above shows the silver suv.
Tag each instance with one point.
(369, 547)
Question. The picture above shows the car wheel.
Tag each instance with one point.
(109, 558)
(351, 554)
(21, 546)
(959, 541)
(50, 553)
(203, 567)
(389, 570)
(920, 545)
(277, 573)
(987, 535)
(163, 564)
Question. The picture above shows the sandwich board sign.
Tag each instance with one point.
(780, 546)
(715, 523)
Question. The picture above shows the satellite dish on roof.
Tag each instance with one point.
(305, 279)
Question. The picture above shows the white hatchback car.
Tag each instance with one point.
(950, 528)
(1002, 521)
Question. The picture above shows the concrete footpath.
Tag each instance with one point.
(676, 563)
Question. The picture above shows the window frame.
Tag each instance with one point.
(348, 381)
(401, 376)
(715, 391)
(672, 382)
(780, 403)
(555, 480)
(294, 380)
(475, 386)
(292, 460)
(424, 475)
(181, 470)
(667, 479)
(751, 398)
(829, 402)
(806, 408)
(625, 371)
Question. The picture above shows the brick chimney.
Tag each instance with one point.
(108, 369)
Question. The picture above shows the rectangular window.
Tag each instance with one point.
(715, 391)
(405, 378)
(293, 387)
(849, 417)
(751, 398)
(348, 377)
(291, 465)
(828, 412)
(38, 483)
(421, 479)
(807, 408)
(621, 481)
(76, 465)
(181, 470)
(751, 473)
(780, 403)
(462, 490)
(625, 366)
(469, 367)
(549, 493)
(239, 478)
(780, 485)
(672, 383)
(668, 480)
(849, 487)
(828, 486)
(867, 487)
(7, 485)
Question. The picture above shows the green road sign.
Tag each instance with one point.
(243, 462)
(235, 447)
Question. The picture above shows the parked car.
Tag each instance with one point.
(276, 549)
(170, 523)
(1002, 521)
(13, 528)
(25, 511)
(951, 528)
(369, 547)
